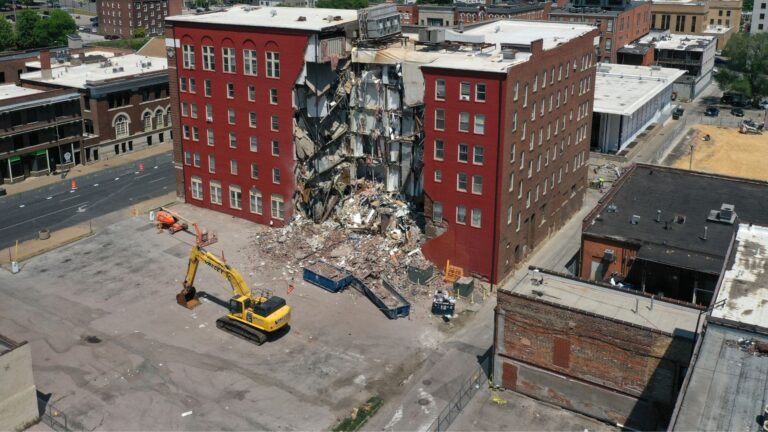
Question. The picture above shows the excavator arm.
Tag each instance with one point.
(188, 296)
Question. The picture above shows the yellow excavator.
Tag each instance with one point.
(251, 317)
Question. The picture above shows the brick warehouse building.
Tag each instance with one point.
(248, 166)
(123, 17)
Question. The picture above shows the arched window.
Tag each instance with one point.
(159, 121)
(147, 119)
(121, 124)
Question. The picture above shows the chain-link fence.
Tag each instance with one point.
(462, 398)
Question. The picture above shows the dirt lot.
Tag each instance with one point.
(728, 152)
(116, 352)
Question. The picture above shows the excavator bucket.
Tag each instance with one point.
(187, 297)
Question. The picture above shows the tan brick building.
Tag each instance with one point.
(718, 18)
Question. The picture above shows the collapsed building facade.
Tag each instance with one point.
(327, 116)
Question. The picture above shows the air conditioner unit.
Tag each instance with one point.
(609, 255)
(464, 97)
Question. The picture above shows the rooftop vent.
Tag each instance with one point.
(337, 18)
(272, 12)
(301, 18)
(508, 54)
(634, 220)
(612, 208)
(726, 214)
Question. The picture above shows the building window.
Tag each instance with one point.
(478, 155)
(517, 90)
(693, 23)
(184, 109)
(182, 84)
(233, 166)
(276, 175)
(257, 204)
(463, 153)
(437, 211)
(207, 87)
(514, 121)
(250, 62)
(147, 121)
(439, 150)
(192, 86)
(215, 192)
(464, 91)
(121, 126)
(197, 187)
(461, 182)
(477, 216)
(438, 176)
(209, 137)
(464, 122)
(608, 45)
(273, 64)
(461, 215)
(517, 229)
(195, 133)
(509, 215)
(254, 170)
(439, 119)
(480, 124)
(232, 140)
(252, 119)
(439, 89)
(275, 148)
(477, 185)
(251, 93)
(187, 158)
(610, 26)
(189, 56)
(209, 112)
(230, 90)
(235, 197)
(193, 110)
(278, 207)
(184, 131)
(228, 57)
(275, 123)
(273, 96)
(480, 92)
(212, 164)
(511, 182)
(209, 58)
(231, 116)
(254, 144)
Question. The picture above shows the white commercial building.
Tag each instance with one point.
(627, 100)
(759, 17)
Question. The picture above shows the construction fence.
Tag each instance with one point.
(461, 399)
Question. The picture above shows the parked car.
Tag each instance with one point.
(712, 111)
(738, 112)
(677, 112)
(764, 104)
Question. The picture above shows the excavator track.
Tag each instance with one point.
(241, 330)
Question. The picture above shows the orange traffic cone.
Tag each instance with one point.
(141, 167)
(74, 184)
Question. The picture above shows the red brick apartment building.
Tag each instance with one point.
(122, 17)
(506, 145)
(513, 125)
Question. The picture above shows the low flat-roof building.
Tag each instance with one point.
(124, 99)
(608, 352)
(40, 131)
(667, 231)
(694, 54)
(726, 387)
(627, 100)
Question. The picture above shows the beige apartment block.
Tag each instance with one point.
(718, 18)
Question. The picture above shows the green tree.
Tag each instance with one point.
(139, 32)
(54, 30)
(746, 70)
(7, 38)
(26, 21)
(342, 4)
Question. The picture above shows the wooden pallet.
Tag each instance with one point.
(452, 273)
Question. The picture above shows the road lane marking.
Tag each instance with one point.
(49, 197)
(22, 205)
(155, 180)
(72, 197)
(44, 215)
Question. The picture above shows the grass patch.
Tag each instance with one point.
(359, 416)
(133, 44)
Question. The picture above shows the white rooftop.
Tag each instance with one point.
(273, 17)
(744, 287)
(716, 29)
(92, 73)
(8, 91)
(673, 41)
(623, 89)
(619, 304)
(35, 64)
(504, 32)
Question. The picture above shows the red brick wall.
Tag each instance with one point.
(409, 14)
(635, 361)
(593, 249)
(173, 91)
(291, 47)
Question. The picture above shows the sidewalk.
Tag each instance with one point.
(83, 170)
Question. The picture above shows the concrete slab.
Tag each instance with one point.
(117, 352)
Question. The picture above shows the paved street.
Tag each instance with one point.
(57, 206)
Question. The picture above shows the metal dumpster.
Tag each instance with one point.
(327, 276)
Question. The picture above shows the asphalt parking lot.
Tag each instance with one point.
(115, 351)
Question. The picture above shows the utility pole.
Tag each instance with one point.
(690, 162)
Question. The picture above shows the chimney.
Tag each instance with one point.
(45, 64)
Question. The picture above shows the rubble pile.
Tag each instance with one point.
(371, 233)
